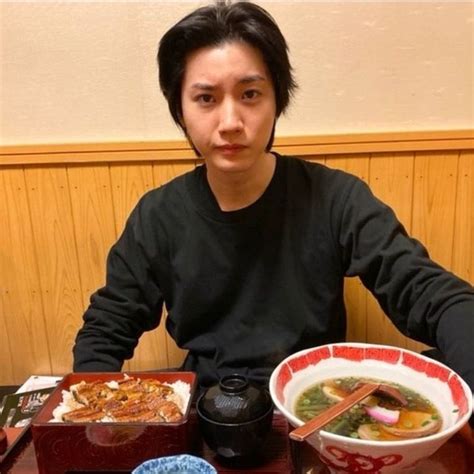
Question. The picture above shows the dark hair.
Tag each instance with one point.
(214, 25)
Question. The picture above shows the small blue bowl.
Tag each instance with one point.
(181, 464)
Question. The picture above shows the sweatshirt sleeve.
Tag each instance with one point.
(424, 301)
(129, 303)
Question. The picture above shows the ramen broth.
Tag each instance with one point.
(378, 417)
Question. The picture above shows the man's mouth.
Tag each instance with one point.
(230, 148)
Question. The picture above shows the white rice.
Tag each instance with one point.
(181, 395)
(68, 403)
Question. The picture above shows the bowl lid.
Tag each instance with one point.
(234, 400)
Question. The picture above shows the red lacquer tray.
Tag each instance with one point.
(62, 447)
(276, 457)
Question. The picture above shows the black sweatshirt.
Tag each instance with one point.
(246, 288)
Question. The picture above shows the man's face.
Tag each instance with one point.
(228, 104)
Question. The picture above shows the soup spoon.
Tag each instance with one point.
(303, 431)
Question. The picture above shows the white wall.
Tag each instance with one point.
(85, 72)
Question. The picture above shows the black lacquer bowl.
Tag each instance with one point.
(235, 417)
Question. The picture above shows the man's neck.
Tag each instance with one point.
(234, 191)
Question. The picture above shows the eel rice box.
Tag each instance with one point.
(105, 446)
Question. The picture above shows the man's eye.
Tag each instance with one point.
(251, 94)
(205, 99)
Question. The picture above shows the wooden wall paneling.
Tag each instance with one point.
(8, 361)
(162, 173)
(391, 180)
(41, 244)
(23, 339)
(355, 294)
(8, 264)
(129, 183)
(94, 223)
(463, 244)
(434, 201)
(55, 246)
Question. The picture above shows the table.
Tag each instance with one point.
(284, 456)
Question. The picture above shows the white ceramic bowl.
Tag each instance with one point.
(433, 380)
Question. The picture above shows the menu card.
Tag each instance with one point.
(17, 409)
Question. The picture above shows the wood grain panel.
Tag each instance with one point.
(58, 224)
(7, 352)
(391, 180)
(23, 338)
(434, 200)
(55, 245)
(94, 223)
(129, 183)
(355, 294)
(463, 243)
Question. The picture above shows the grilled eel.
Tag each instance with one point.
(134, 400)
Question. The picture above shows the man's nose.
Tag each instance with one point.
(230, 117)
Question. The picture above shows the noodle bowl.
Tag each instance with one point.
(432, 380)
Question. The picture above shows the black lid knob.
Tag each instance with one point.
(235, 383)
